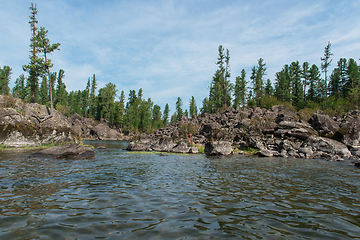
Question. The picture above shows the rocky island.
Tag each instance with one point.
(277, 132)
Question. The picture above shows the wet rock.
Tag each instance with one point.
(218, 148)
(164, 144)
(68, 151)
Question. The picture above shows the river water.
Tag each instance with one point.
(122, 195)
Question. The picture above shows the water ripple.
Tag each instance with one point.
(148, 196)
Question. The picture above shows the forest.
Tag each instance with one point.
(300, 86)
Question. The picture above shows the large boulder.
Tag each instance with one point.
(68, 151)
(103, 131)
(322, 123)
(164, 144)
(349, 133)
(218, 148)
(32, 124)
(137, 147)
(325, 147)
(181, 148)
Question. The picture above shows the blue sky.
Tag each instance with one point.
(169, 48)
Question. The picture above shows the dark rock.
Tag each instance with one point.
(357, 164)
(164, 144)
(322, 123)
(218, 148)
(137, 147)
(320, 145)
(194, 150)
(181, 148)
(266, 153)
(103, 131)
(68, 151)
(349, 133)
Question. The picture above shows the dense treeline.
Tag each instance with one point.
(297, 85)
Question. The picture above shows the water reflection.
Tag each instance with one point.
(147, 196)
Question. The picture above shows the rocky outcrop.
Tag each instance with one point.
(32, 124)
(218, 148)
(273, 132)
(349, 133)
(68, 151)
(322, 123)
(88, 128)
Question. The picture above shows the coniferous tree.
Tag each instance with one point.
(314, 84)
(305, 76)
(60, 92)
(166, 114)
(121, 109)
(44, 46)
(19, 90)
(258, 74)
(179, 110)
(353, 76)
(156, 117)
(5, 75)
(192, 107)
(240, 90)
(44, 91)
(283, 85)
(93, 98)
(326, 61)
(269, 90)
(206, 106)
(297, 86)
(34, 67)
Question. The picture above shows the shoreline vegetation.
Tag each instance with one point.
(299, 113)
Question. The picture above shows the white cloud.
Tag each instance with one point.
(169, 48)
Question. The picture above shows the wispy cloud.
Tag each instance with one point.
(169, 48)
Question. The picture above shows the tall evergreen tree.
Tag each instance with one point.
(5, 75)
(192, 107)
(44, 91)
(269, 90)
(260, 72)
(156, 117)
(166, 114)
(283, 85)
(297, 86)
(240, 90)
(34, 67)
(44, 46)
(61, 93)
(315, 84)
(179, 110)
(326, 61)
(93, 98)
(305, 76)
(19, 90)
(353, 76)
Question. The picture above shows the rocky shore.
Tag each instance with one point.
(276, 132)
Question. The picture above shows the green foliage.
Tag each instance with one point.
(5, 74)
(240, 90)
(192, 107)
(19, 90)
(268, 101)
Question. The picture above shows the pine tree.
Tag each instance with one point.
(192, 107)
(34, 67)
(44, 91)
(5, 75)
(240, 90)
(326, 61)
(60, 93)
(179, 110)
(297, 86)
(166, 114)
(315, 84)
(257, 76)
(156, 117)
(269, 90)
(283, 85)
(305, 76)
(44, 46)
(19, 90)
(93, 98)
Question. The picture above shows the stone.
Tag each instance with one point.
(322, 123)
(181, 148)
(218, 148)
(327, 145)
(266, 153)
(349, 133)
(137, 147)
(68, 151)
(194, 150)
(102, 131)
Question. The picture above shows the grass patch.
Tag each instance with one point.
(246, 150)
